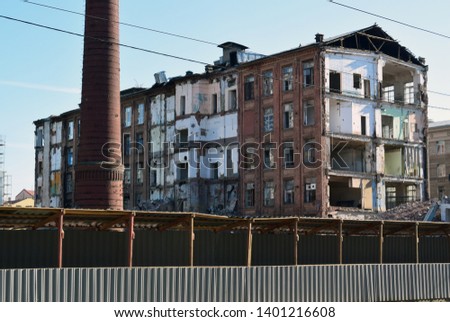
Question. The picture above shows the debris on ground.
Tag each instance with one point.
(415, 211)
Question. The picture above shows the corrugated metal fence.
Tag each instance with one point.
(37, 249)
(393, 282)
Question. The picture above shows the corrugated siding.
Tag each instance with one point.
(397, 282)
(34, 249)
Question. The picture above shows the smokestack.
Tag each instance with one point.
(99, 171)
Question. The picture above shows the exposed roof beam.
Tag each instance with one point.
(110, 224)
(47, 220)
(181, 221)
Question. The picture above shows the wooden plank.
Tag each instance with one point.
(191, 241)
(53, 218)
(381, 241)
(249, 244)
(340, 242)
(296, 240)
(231, 226)
(112, 223)
(131, 236)
(60, 238)
(323, 227)
(183, 220)
(417, 240)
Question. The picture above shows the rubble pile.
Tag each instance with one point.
(415, 211)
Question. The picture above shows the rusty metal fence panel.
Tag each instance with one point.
(393, 282)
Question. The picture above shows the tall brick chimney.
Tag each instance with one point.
(99, 171)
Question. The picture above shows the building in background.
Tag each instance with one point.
(439, 151)
(25, 199)
(332, 128)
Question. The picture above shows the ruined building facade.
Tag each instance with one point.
(336, 126)
(333, 127)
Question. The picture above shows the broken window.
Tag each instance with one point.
(140, 116)
(441, 173)
(367, 93)
(310, 190)
(363, 125)
(139, 173)
(39, 138)
(335, 82)
(182, 171)
(409, 93)
(214, 170)
(214, 105)
(388, 94)
(127, 175)
(309, 153)
(269, 156)
(249, 88)
(308, 112)
(267, 83)
(182, 105)
(268, 119)
(232, 100)
(287, 78)
(126, 144)
(250, 195)
(288, 193)
(387, 125)
(70, 130)
(269, 194)
(411, 193)
(250, 157)
(357, 81)
(153, 178)
(288, 154)
(183, 137)
(440, 147)
(140, 142)
(308, 73)
(288, 116)
(391, 197)
(441, 192)
(69, 157)
(69, 183)
(128, 116)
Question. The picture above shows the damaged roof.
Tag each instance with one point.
(374, 38)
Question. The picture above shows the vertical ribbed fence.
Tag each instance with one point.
(390, 282)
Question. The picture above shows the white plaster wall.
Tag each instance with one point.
(347, 65)
(55, 157)
(46, 167)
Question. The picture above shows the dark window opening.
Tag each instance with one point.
(335, 82)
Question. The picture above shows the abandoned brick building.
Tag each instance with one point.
(339, 124)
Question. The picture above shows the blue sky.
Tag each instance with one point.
(40, 70)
